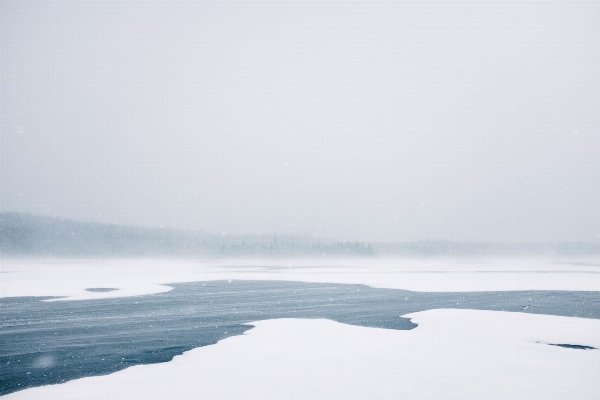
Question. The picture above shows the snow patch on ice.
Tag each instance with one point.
(452, 354)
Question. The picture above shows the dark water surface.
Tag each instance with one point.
(43, 343)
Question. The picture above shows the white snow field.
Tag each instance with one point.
(70, 278)
(452, 354)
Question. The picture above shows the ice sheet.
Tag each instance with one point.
(452, 354)
(22, 277)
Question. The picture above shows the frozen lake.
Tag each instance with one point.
(49, 342)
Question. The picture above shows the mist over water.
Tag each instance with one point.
(349, 121)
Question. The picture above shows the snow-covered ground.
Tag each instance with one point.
(452, 354)
(22, 277)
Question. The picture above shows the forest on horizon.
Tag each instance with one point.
(26, 235)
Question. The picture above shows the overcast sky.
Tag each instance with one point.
(353, 121)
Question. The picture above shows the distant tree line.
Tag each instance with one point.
(25, 235)
(29, 235)
(292, 246)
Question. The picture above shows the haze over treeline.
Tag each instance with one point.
(25, 235)
(28, 235)
(355, 121)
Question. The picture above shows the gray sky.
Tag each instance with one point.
(354, 121)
